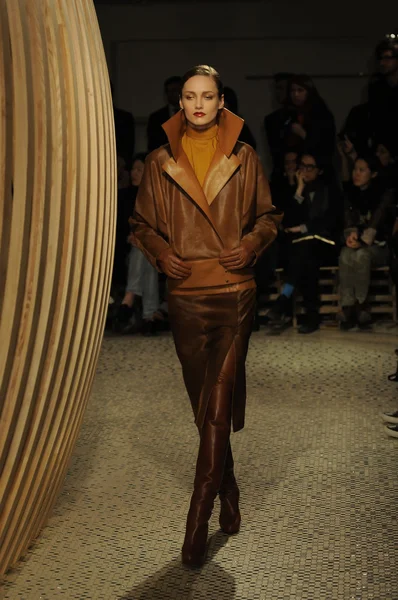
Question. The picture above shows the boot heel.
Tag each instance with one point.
(230, 518)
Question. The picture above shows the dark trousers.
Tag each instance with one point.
(303, 261)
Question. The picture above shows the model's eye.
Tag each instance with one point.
(209, 97)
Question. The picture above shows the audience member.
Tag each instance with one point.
(383, 91)
(274, 122)
(366, 230)
(231, 103)
(282, 193)
(142, 277)
(124, 132)
(125, 196)
(310, 126)
(308, 231)
(358, 128)
(155, 133)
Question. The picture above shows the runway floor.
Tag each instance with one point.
(318, 478)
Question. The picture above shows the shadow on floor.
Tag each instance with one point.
(176, 581)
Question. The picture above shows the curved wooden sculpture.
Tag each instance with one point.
(57, 221)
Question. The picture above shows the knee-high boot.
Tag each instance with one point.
(229, 497)
(214, 440)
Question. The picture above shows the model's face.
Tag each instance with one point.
(362, 175)
(200, 102)
(388, 64)
(137, 172)
(383, 155)
(290, 163)
(298, 94)
(308, 168)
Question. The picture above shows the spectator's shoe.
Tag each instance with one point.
(149, 328)
(121, 321)
(364, 317)
(310, 324)
(278, 327)
(391, 430)
(347, 318)
(280, 308)
(390, 417)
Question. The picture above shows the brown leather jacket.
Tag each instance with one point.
(234, 206)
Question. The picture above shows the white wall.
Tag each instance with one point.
(146, 44)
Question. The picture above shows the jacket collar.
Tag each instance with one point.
(222, 167)
(229, 128)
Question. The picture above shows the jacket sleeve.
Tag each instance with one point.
(379, 217)
(267, 218)
(145, 222)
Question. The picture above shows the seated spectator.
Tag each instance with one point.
(308, 232)
(274, 122)
(283, 185)
(309, 124)
(282, 192)
(366, 229)
(231, 103)
(142, 277)
(386, 150)
(125, 197)
(155, 133)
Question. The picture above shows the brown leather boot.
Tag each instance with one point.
(214, 440)
(229, 497)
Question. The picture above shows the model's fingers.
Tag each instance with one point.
(232, 263)
(183, 272)
(180, 266)
(230, 253)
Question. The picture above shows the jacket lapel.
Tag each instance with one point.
(182, 173)
(220, 172)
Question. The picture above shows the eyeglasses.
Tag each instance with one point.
(306, 167)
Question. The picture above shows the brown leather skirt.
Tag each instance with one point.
(206, 328)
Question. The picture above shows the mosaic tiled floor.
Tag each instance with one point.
(318, 480)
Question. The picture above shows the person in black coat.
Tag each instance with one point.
(307, 124)
(383, 89)
(231, 103)
(155, 133)
(367, 227)
(309, 236)
(274, 122)
(124, 132)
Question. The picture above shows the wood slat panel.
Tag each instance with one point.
(57, 227)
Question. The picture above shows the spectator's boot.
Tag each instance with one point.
(364, 317)
(311, 322)
(347, 318)
(229, 497)
(280, 309)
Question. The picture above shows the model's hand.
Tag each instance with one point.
(237, 258)
(296, 229)
(172, 266)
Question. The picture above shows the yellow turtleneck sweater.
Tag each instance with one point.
(200, 146)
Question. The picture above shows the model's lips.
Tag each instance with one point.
(199, 114)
